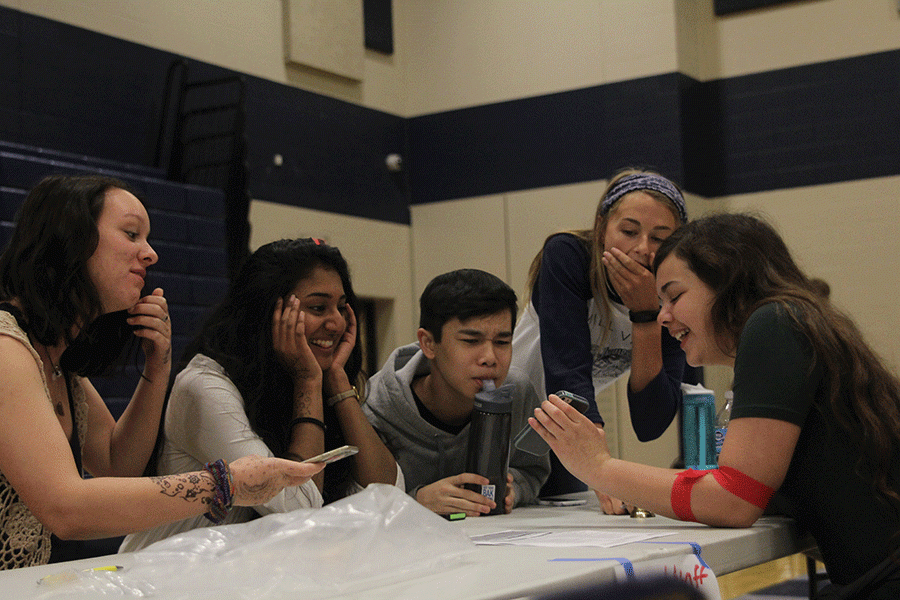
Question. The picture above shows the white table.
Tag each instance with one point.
(518, 571)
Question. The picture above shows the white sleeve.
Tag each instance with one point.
(206, 419)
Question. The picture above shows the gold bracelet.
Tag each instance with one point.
(343, 396)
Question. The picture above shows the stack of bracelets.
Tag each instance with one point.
(221, 503)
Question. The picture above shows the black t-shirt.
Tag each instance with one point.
(772, 379)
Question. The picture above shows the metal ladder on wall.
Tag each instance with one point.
(202, 141)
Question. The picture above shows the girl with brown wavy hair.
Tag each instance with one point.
(816, 416)
(77, 260)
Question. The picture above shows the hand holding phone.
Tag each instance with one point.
(530, 441)
(333, 455)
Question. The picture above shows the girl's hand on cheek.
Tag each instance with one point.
(289, 341)
(346, 343)
(336, 379)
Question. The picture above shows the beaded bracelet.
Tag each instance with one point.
(224, 498)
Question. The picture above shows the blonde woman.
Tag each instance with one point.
(592, 312)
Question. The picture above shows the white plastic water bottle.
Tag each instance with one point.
(722, 419)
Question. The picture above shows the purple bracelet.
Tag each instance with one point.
(224, 498)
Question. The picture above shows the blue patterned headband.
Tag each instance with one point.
(644, 181)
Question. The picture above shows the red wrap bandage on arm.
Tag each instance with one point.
(681, 493)
(743, 486)
(733, 481)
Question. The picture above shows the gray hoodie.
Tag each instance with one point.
(426, 453)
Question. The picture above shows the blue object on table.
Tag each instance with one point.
(698, 406)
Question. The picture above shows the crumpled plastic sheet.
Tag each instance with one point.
(375, 537)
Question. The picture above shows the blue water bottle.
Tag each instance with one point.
(698, 407)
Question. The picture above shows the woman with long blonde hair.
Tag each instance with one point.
(592, 312)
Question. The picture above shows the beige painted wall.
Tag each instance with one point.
(456, 53)
(800, 33)
(847, 234)
(469, 52)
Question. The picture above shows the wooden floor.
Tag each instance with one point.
(755, 578)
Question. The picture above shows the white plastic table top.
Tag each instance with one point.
(496, 572)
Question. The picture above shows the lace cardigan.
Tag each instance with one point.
(24, 542)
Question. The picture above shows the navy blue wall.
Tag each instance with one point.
(815, 124)
(568, 137)
(78, 91)
(188, 232)
(334, 153)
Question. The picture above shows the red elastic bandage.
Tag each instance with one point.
(743, 486)
(681, 493)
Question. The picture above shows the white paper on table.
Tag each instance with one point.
(565, 539)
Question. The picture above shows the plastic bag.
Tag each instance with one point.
(371, 538)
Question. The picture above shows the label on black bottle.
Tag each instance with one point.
(489, 492)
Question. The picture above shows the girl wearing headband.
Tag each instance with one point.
(816, 413)
(592, 312)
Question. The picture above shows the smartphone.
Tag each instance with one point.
(333, 455)
(528, 440)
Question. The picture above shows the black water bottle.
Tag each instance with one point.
(488, 452)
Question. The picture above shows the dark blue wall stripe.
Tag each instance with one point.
(815, 124)
(83, 92)
(561, 138)
(725, 7)
(378, 25)
(808, 125)
(333, 151)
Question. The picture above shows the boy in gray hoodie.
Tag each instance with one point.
(421, 401)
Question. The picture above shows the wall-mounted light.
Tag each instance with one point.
(394, 162)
